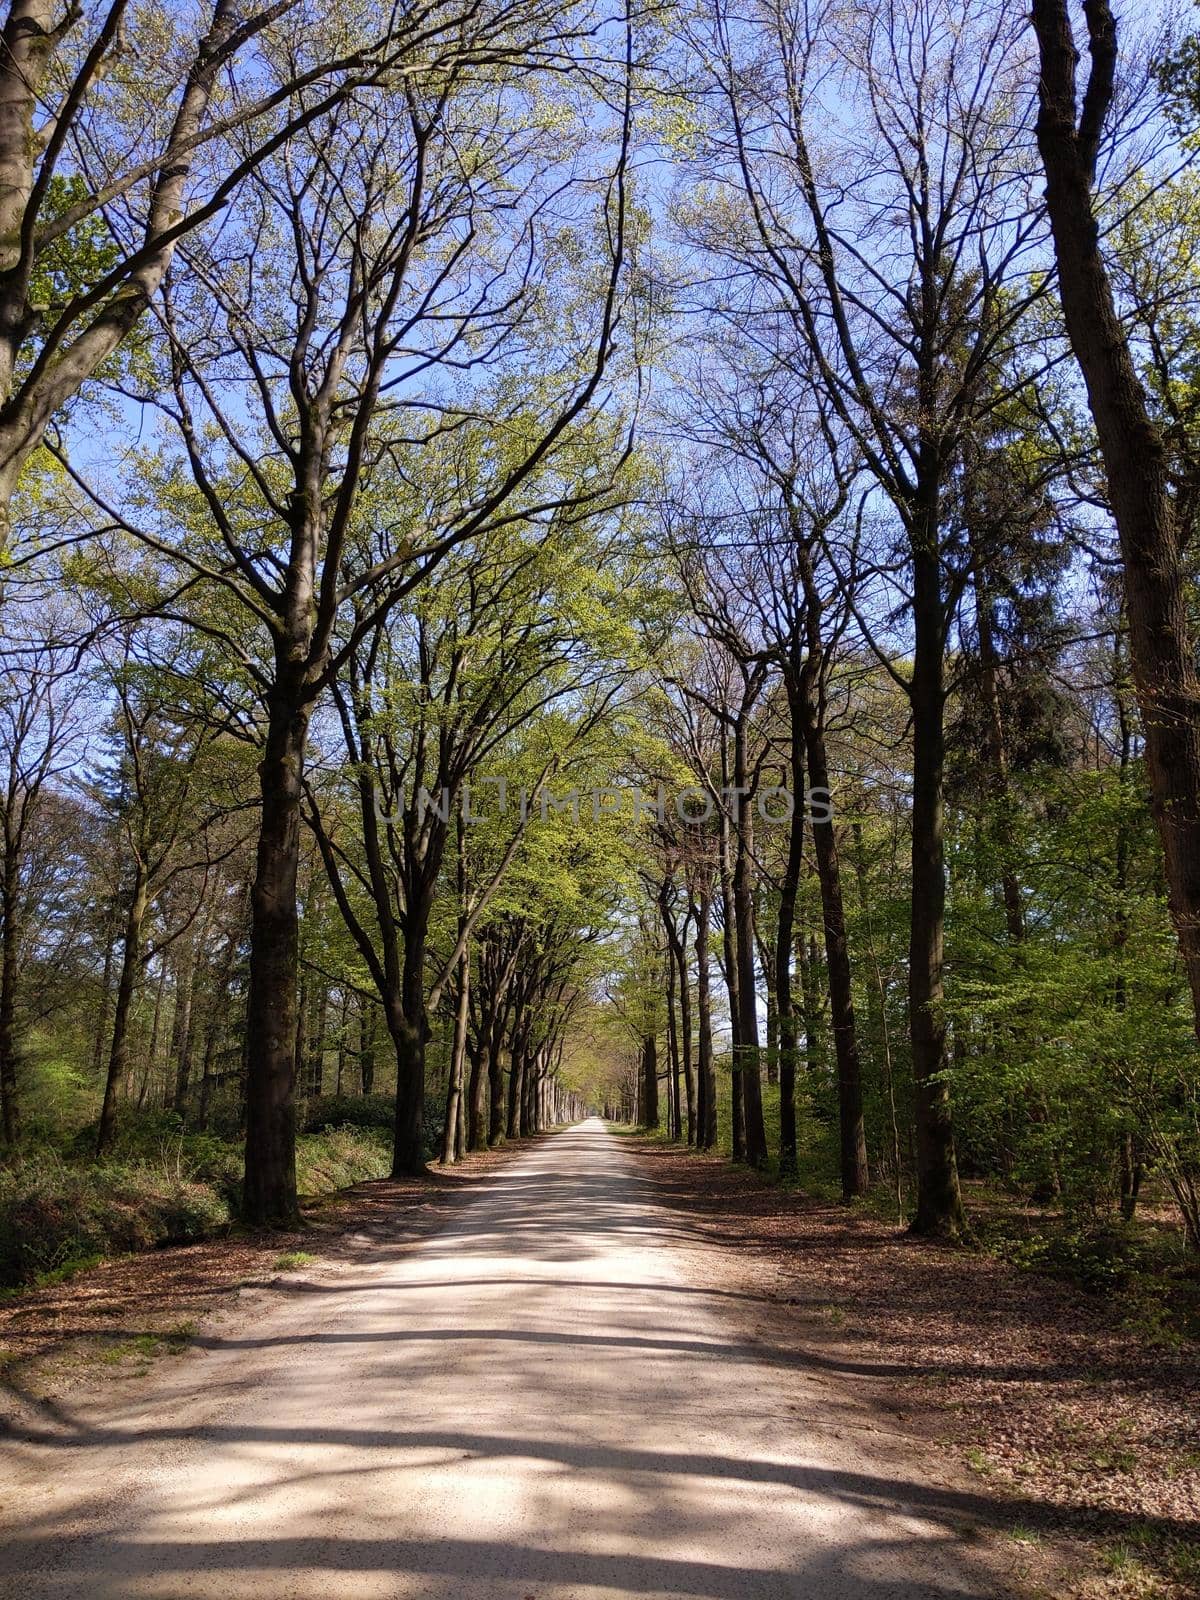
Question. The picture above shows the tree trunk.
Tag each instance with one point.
(529, 1087)
(313, 1086)
(496, 1106)
(516, 1087)
(343, 1035)
(181, 1026)
(649, 1081)
(877, 999)
(131, 957)
(451, 1136)
(110, 944)
(785, 926)
(768, 964)
(303, 1069)
(366, 1047)
(997, 752)
(852, 1128)
(410, 1031)
(673, 1101)
(1162, 649)
(746, 1065)
(216, 1024)
(729, 944)
(10, 908)
(475, 1138)
(939, 1212)
(685, 1033)
(155, 1029)
(269, 1191)
(706, 1075)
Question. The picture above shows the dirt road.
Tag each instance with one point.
(545, 1400)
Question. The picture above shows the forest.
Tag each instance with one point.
(567, 559)
(599, 799)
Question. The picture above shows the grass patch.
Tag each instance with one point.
(145, 1347)
(1020, 1534)
(291, 1259)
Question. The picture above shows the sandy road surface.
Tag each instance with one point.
(540, 1400)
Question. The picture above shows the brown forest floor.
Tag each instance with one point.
(1088, 1431)
(1086, 1428)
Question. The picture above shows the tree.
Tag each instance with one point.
(317, 371)
(775, 486)
(503, 645)
(162, 793)
(102, 123)
(1134, 452)
(40, 693)
(900, 289)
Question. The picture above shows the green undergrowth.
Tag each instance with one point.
(61, 1211)
(1145, 1270)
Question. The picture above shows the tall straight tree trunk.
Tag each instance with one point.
(785, 925)
(673, 1118)
(475, 1123)
(811, 708)
(269, 1190)
(343, 1035)
(529, 1083)
(877, 1002)
(410, 1030)
(181, 1026)
(111, 928)
(10, 909)
(496, 1105)
(366, 1047)
(216, 1026)
(729, 941)
(685, 1033)
(516, 1087)
(160, 989)
(649, 1117)
(1136, 465)
(997, 751)
(852, 1128)
(451, 1131)
(303, 1071)
(314, 1084)
(706, 1075)
(451, 1134)
(766, 956)
(810, 1001)
(748, 1070)
(131, 957)
(939, 1212)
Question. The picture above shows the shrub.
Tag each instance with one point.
(160, 1187)
(337, 1157)
(350, 1111)
(53, 1212)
